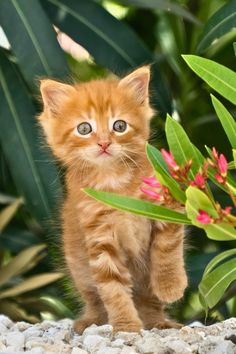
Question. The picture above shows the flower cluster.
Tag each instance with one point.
(218, 165)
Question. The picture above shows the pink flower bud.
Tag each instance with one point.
(169, 159)
(204, 218)
(219, 178)
(199, 181)
(223, 165)
(152, 194)
(215, 153)
(151, 181)
(227, 210)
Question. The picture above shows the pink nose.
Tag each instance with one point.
(104, 144)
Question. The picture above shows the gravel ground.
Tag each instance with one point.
(58, 337)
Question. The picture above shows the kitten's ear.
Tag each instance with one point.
(138, 82)
(53, 93)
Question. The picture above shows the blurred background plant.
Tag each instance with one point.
(118, 35)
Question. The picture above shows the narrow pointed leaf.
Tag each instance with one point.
(31, 166)
(31, 283)
(234, 155)
(197, 200)
(8, 212)
(32, 40)
(158, 163)
(227, 121)
(220, 78)
(214, 284)
(19, 262)
(181, 147)
(222, 22)
(110, 41)
(138, 207)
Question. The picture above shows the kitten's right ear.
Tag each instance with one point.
(53, 93)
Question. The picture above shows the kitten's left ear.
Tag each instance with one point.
(138, 82)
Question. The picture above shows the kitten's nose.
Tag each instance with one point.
(104, 144)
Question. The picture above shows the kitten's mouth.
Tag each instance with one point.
(104, 153)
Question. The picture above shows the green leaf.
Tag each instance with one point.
(8, 212)
(218, 259)
(214, 284)
(110, 41)
(31, 166)
(218, 25)
(226, 120)
(220, 78)
(197, 200)
(138, 207)
(32, 40)
(181, 147)
(158, 163)
(164, 5)
(20, 263)
(31, 283)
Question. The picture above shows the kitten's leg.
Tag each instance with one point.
(112, 279)
(168, 276)
(151, 312)
(93, 312)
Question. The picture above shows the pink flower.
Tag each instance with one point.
(199, 181)
(204, 218)
(151, 181)
(169, 159)
(152, 194)
(222, 164)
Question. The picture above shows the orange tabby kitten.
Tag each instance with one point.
(125, 267)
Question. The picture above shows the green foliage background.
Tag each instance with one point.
(119, 35)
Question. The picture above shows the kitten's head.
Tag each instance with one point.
(98, 121)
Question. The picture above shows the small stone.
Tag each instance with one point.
(118, 343)
(78, 351)
(6, 321)
(178, 346)
(104, 331)
(16, 340)
(34, 342)
(150, 345)
(128, 350)
(37, 350)
(32, 332)
(3, 328)
(224, 347)
(128, 337)
(196, 324)
(21, 326)
(109, 350)
(94, 342)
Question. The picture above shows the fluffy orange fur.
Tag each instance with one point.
(125, 267)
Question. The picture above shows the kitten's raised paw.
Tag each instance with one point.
(171, 292)
(127, 327)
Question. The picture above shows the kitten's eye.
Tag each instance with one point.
(120, 126)
(84, 128)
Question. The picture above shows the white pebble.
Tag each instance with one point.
(128, 350)
(104, 331)
(6, 321)
(3, 328)
(16, 340)
(78, 351)
(94, 342)
(118, 343)
(109, 350)
(32, 332)
(21, 326)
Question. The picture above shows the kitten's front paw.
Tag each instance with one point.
(170, 290)
(127, 326)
